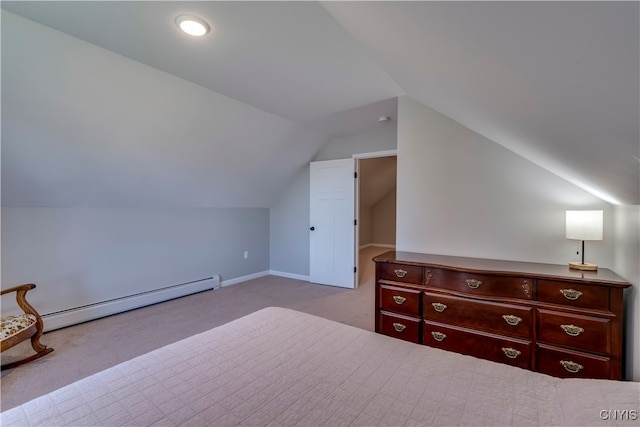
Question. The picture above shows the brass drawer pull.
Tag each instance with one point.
(473, 283)
(400, 273)
(439, 307)
(399, 327)
(438, 336)
(571, 294)
(511, 319)
(570, 366)
(398, 299)
(572, 330)
(511, 353)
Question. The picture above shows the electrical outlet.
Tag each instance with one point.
(246, 254)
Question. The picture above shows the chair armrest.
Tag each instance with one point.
(21, 298)
(26, 287)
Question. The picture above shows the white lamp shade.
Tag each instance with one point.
(584, 225)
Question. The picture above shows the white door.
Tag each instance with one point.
(332, 227)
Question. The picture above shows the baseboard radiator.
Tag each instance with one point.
(76, 315)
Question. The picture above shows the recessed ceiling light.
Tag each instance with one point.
(383, 119)
(192, 25)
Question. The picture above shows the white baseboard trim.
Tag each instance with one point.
(289, 275)
(241, 279)
(378, 245)
(85, 313)
(74, 316)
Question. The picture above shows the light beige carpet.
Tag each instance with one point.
(88, 348)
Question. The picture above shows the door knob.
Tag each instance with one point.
(312, 228)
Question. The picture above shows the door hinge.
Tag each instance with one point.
(355, 174)
(355, 222)
(355, 269)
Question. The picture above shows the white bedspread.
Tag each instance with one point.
(280, 367)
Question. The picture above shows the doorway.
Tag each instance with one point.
(337, 241)
(376, 210)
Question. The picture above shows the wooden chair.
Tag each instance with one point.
(18, 328)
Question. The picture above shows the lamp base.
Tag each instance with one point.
(583, 266)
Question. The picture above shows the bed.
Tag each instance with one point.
(281, 367)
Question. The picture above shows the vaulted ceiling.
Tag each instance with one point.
(108, 104)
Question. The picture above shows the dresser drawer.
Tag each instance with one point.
(398, 326)
(573, 294)
(564, 363)
(514, 352)
(581, 332)
(400, 300)
(480, 284)
(399, 273)
(508, 319)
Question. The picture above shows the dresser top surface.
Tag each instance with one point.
(550, 271)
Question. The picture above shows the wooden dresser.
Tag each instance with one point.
(542, 317)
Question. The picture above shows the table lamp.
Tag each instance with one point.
(584, 225)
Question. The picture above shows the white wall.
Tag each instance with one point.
(289, 216)
(80, 256)
(289, 228)
(462, 194)
(627, 265)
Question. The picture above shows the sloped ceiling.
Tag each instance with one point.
(556, 82)
(117, 108)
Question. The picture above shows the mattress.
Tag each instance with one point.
(280, 367)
